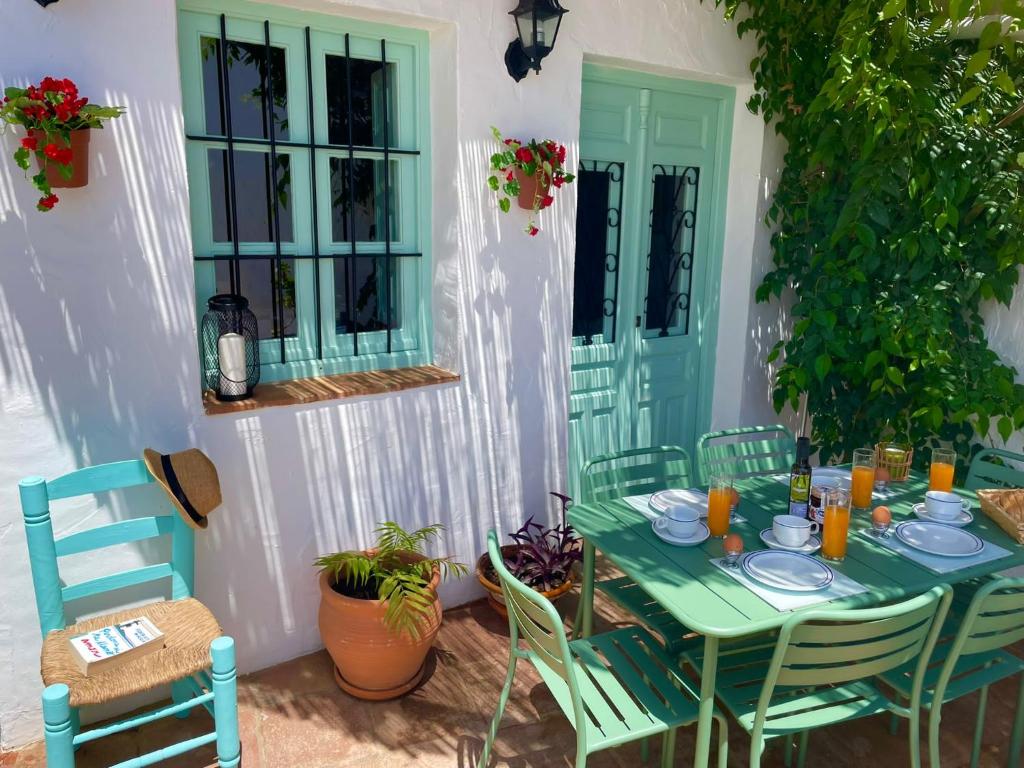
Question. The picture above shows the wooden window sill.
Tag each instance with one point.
(337, 387)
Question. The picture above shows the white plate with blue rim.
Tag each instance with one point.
(964, 518)
(661, 501)
(939, 539)
(788, 571)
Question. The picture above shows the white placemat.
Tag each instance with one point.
(642, 504)
(937, 563)
(841, 586)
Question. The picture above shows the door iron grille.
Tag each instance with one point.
(673, 222)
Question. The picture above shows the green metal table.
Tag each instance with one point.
(711, 603)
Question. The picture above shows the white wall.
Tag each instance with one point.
(97, 332)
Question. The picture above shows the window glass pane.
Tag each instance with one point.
(365, 280)
(597, 244)
(258, 285)
(247, 82)
(253, 194)
(368, 179)
(367, 102)
(670, 263)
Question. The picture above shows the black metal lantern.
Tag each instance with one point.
(231, 347)
(537, 22)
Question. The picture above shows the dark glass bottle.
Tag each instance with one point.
(800, 478)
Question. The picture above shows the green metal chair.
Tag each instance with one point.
(996, 468)
(819, 671)
(971, 659)
(746, 452)
(615, 688)
(630, 473)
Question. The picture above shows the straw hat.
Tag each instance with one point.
(190, 480)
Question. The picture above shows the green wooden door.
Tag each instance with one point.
(649, 229)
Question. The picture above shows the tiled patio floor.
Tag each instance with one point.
(293, 715)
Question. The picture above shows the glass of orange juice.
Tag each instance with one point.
(719, 504)
(940, 475)
(863, 477)
(836, 524)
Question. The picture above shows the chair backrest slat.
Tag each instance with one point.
(44, 549)
(532, 617)
(996, 468)
(636, 471)
(746, 452)
(121, 532)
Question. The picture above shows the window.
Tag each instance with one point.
(306, 138)
(670, 262)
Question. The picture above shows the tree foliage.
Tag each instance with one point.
(900, 211)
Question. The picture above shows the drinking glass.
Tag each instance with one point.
(940, 475)
(837, 524)
(863, 477)
(719, 503)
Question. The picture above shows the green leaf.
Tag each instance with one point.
(21, 157)
(893, 8)
(1005, 83)
(970, 95)
(895, 375)
(977, 62)
(1005, 428)
(822, 365)
(505, 204)
(493, 183)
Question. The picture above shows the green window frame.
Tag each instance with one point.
(313, 275)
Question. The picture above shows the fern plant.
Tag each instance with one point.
(387, 573)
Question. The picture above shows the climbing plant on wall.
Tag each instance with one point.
(900, 211)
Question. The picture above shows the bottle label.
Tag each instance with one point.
(799, 494)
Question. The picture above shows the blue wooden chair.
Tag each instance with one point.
(746, 452)
(996, 468)
(193, 637)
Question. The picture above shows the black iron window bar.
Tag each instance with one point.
(615, 171)
(231, 141)
(668, 231)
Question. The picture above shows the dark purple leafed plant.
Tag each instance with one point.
(545, 556)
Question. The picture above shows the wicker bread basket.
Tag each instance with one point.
(1006, 508)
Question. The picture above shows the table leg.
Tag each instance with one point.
(705, 717)
(586, 627)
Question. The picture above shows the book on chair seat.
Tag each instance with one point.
(115, 645)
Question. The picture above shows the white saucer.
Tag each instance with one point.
(964, 518)
(813, 543)
(699, 537)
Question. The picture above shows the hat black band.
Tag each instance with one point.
(179, 493)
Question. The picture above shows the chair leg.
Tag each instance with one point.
(802, 754)
(581, 750)
(645, 750)
(58, 729)
(894, 724)
(787, 750)
(1017, 735)
(979, 727)
(180, 693)
(756, 750)
(225, 702)
(506, 689)
(76, 723)
(915, 738)
(723, 741)
(668, 748)
(934, 717)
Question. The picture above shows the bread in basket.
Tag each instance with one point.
(1006, 508)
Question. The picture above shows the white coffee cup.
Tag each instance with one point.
(679, 521)
(943, 505)
(793, 531)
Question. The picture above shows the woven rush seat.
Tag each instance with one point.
(188, 628)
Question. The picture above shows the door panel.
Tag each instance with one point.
(648, 193)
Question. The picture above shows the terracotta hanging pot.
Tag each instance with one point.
(488, 579)
(79, 158)
(530, 189)
(372, 661)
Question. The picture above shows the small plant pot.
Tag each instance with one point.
(531, 191)
(371, 661)
(79, 158)
(495, 597)
(896, 459)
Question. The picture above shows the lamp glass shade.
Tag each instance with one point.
(537, 22)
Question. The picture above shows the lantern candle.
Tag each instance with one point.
(231, 355)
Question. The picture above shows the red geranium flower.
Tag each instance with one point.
(64, 156)
(51, 150)
(548, 200)
(29, 143)
(509, 176)
(561, 154)
(524, 154)
(46, 203)
(533, 231)
(558, 181)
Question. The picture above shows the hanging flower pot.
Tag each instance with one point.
(58, 123)
(527, 171)
(77, 144)
(532, 189)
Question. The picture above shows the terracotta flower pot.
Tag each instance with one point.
(495, 597)
(79, 158)
(370, 660)
(530, 189)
